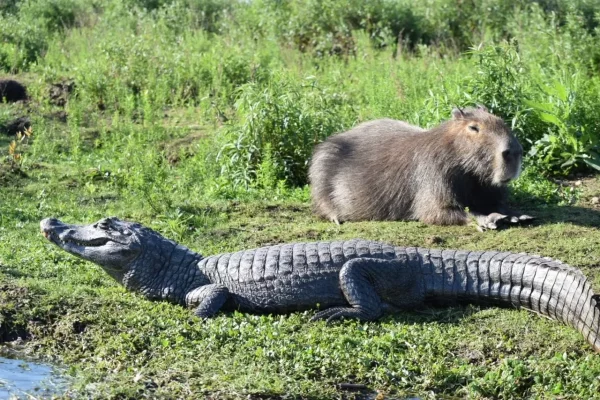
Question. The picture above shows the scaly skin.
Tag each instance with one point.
(355, 279)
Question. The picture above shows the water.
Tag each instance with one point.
(26, 379)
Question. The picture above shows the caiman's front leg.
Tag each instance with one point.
(489, 221)
(207, 299)
(364, 281)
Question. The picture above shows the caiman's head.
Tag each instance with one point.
(110, 242)
(137, 257)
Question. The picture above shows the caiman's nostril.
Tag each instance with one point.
(47, 224)
(70, 232)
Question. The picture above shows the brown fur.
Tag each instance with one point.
(390, 170)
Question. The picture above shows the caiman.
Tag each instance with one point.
(356, 278)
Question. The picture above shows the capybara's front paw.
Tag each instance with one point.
(491, 221)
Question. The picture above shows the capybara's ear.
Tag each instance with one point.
(482, 107)
(458, 113)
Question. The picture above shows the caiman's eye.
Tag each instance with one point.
(474, 128)
(104, 225)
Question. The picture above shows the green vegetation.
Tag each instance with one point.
(197, 118)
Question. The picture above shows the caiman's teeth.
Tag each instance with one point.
(78, 243)
(57, 239)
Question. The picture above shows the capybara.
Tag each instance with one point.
(390, 170)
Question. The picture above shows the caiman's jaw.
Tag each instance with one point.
(110, 242)
(72, 244)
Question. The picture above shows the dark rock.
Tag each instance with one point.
(12, 91)
(59, 92)
(15, 126)
(79, 327)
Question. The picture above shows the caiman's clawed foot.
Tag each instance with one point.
(495, 221)
(491, 221)
(525, 218)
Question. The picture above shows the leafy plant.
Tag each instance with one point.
(501, 82)
(569, 143)
(15, 158)
(534, 188)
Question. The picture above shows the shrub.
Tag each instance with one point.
(183, 15)
(53, 16)
(326, 27)
(571, 141)
(8, 6)
(21, 43)
(26, 30)
(286, 117)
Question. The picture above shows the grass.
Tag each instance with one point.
(199, 125)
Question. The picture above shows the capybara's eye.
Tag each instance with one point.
(474, 128)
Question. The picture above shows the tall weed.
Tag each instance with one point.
(287, 117)
(501, 83)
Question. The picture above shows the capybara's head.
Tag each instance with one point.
(488, 144)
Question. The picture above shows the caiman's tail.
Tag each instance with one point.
(542, 285)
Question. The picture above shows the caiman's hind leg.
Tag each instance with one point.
(365, 281)
(207, 299)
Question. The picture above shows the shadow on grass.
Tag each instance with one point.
(552, 214)
(12, 272)
(451, 313)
